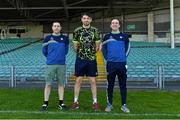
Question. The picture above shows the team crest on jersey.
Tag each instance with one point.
(51, 38)
(110, 37)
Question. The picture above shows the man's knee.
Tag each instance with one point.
(78, 81)
(92, 80)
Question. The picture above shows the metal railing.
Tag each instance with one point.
(14, 75)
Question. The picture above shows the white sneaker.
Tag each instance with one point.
(108, 108)
(125, 109)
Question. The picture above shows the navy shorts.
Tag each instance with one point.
(85, 68)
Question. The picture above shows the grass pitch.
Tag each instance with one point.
(26, 104)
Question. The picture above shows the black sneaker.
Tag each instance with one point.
(44, 107)
(62, 107)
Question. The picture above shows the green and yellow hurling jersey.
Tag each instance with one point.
(86, 40)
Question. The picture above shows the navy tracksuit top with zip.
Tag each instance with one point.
(55, 49)
(115, 47)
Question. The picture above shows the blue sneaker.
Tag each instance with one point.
(125, 109)
(108, 108)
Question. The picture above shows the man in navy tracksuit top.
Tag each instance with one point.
(55, 49)
(115, 48)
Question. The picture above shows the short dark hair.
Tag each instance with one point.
(115, 19)
(55, 22)
(87, 14)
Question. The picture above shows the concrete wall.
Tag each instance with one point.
(33, 30)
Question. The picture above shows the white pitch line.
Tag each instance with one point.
(86, 113)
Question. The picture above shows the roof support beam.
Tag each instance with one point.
(76, 3)
(31, 20)
(80, 7)
(54, 10)
(45, 13)
(65, 8)
(18, 4)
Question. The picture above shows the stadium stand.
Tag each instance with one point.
(142, 62)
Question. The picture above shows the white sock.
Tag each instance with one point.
(75, 99)
(94, 100)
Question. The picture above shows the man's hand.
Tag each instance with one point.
(97, 46)
(75, 46)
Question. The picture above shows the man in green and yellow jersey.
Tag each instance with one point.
(86, 40)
